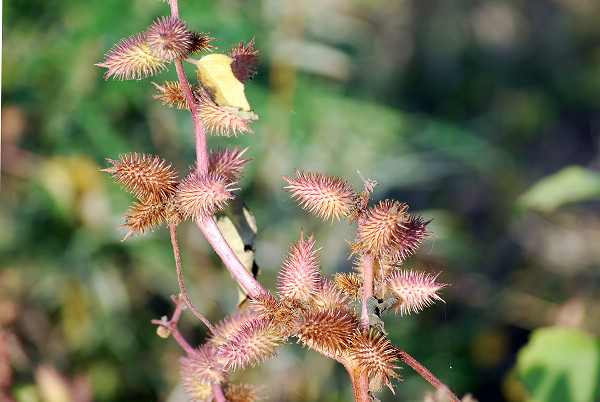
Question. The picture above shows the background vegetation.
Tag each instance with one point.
(458, 108)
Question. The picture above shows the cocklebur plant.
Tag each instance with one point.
(316, 311)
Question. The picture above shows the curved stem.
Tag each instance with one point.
(237, 269)
(172, 229)
(426, 374)
(218, 393)
(208, 225)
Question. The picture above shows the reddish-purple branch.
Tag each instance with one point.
(174, 8)
(171, 325)
(360, 385)
(199, 130)
(426, 374)
(208, 225)
(237, 269)
(218, 393)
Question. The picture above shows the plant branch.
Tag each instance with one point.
(199, 130)
(174, 8)
(172, 229)
(426, 374)
(208, 225)
(360, 385)
(237, 269)
(171, 325)
(218, 393)
(367, 289)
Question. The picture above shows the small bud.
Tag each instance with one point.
(163, 331)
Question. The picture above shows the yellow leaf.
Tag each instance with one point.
(214, 73)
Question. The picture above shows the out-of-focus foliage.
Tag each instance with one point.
(571, 184)
(560, 364)
(457, 108)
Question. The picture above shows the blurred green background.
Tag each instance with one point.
(483, 115)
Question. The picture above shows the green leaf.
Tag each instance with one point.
(561, 364)
(571, 184)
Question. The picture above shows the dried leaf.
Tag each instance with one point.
(215, 74)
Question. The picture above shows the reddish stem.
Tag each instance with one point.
(171, 325)
(218, 393)
(237, 269)
(199, 130)
(426, 374)
(360, 385)
(208, 225)
(174, 8)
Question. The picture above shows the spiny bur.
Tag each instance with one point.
(169, 39)
(201, 195)
(227, 162)
(328, 197)
(300, 277)
(222, 120)
(373, 355)
(146, 177)
(245, 59)
(415, 290)
(382, 228)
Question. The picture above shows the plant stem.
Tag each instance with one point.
(367, 289)
(426, 374)
(360, 385)
(174, 8)
(171, 325)
(208, 225)
(172, 229)
(237, 269)
(218, 393)
(199, 131)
